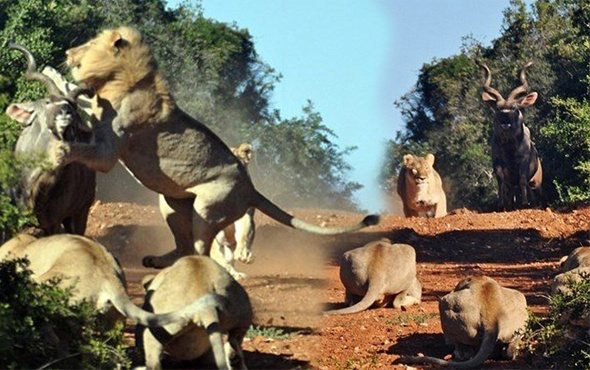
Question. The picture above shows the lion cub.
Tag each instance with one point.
(186, 280)
(420, 188)
(476, 316)
(378, 274)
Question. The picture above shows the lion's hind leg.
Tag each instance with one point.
(178, 216)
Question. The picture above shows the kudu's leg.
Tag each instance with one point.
(499, 172)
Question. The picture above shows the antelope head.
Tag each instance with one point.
(57, 112)
(508, 111)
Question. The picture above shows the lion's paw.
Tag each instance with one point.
(59, 153)
(238, 275)
(244, 255)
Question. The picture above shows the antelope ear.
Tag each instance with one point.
(23, 113)
(408, 159)
(528, 100)
(430, 159)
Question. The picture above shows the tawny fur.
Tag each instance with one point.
(379, 274)
(420, 188)
(574, 267)
(94, 274)
(476, 317)
(579, 257)
(186, 280)
(204, 186)
(238, 236)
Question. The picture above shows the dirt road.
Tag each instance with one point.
(295, 276)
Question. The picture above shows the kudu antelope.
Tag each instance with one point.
(515, 159)
(63, 195)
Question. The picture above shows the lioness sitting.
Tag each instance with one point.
(420, 188)
(240, 234)
(476, 317)
(205, 188)
(378, 274)
(95, 276)
(189, 279)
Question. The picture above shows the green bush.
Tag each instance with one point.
(39, 326)
(555, 343)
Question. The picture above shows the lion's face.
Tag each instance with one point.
(95, 61)
(244, 152)
(420, 169)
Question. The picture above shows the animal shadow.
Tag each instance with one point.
(428, 344)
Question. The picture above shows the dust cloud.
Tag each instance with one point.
(118, 185)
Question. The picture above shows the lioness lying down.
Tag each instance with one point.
(204, 186)
(574, 267)
(189, 279)
(476, 317)
(96, 277)
(378, 274)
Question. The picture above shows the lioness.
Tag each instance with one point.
(477, 316)
(95, 276)
(240, 234)
(574, 267)
(187, 280)
(579, 257)
(204, 186)
(420, 188)
(378, 274)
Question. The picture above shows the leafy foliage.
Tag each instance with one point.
(554, 342)
(39, 325)
(444, 114)
(215, 74)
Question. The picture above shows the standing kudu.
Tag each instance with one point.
(515, 159)
(63, 195)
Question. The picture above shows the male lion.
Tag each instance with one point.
(204, 186)
(420, 188)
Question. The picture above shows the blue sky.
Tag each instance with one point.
(354, 58)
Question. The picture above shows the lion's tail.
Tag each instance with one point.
(184, 315)
(485, 350)
(374, 291)
(276, 213)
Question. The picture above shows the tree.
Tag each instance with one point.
(214, 73)
(444, 113)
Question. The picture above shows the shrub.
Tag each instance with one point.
(553, 342)
(39, 326)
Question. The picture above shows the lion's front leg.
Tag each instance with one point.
(222, 254)
(441, 207)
